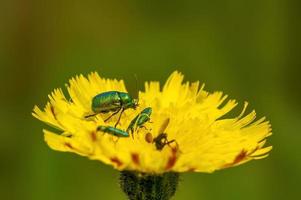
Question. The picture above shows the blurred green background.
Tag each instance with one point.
(248, 49)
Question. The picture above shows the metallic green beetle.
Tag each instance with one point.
(113, 131)
(112, 101)
(140, 120)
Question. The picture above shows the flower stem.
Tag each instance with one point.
(140, 186)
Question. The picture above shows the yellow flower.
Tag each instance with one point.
(204, 140)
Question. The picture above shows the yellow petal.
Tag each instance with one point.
(196, 135)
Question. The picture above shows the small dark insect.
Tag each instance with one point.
(161, 140)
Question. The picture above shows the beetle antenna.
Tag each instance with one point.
(136, 78)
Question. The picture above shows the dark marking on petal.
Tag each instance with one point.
(116, 161)
(93, 136)
(192, 169)
(69, 145)
(240, 157)
(172, 160)
(135, 158)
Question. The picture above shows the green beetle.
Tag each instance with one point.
(113, 131)
(140, 120)
(112, 101)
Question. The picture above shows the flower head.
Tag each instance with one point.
(187, 130)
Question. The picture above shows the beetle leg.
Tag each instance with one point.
(122, 110)
(92, 115)
(138, 127)
(132, 133)
(112, 115)
(135, 126)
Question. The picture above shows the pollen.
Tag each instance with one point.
(188, 129)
